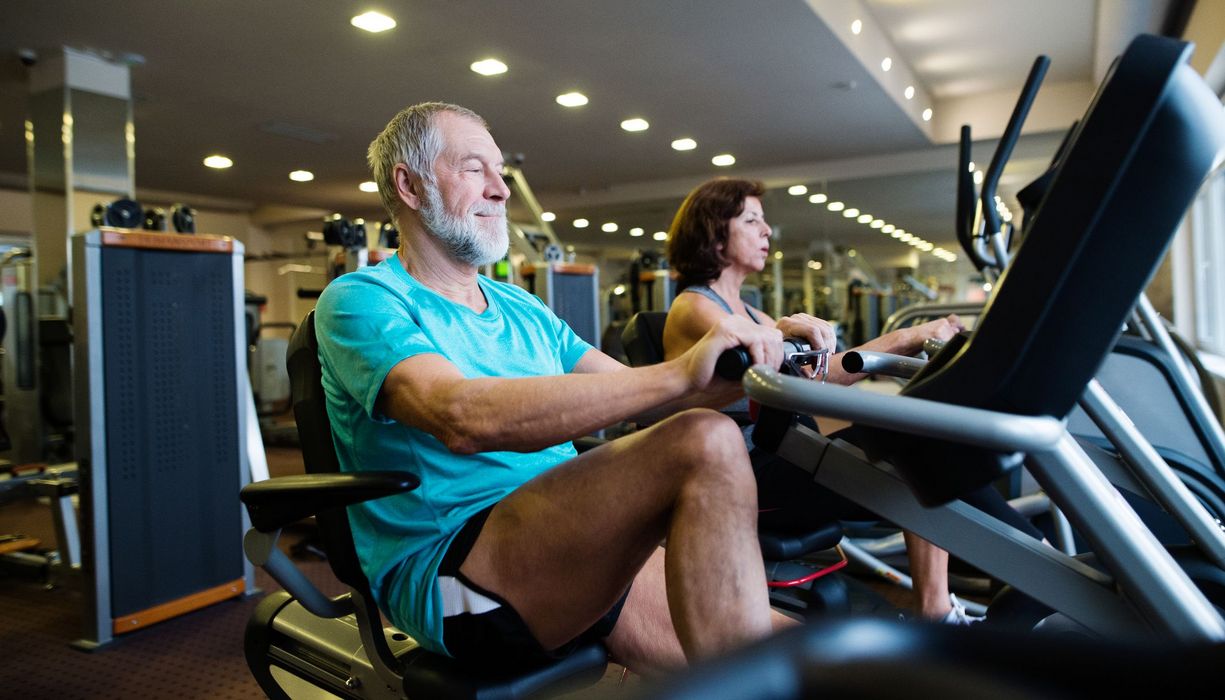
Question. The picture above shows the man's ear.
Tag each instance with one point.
(409, 187)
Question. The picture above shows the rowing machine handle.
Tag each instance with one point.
(733, 363)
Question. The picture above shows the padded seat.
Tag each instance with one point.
(793, 545)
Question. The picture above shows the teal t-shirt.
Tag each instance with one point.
(367, 322)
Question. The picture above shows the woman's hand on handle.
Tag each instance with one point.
(817, 332)
(941, 329)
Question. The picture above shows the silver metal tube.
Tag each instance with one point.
(972, 426)
(1001, 253)
(1051, 577)
(928, 312)
(1064, 539)
(261, 549)
(1158, 588)
(882, 363)
(1154, 473)
(1151, 322)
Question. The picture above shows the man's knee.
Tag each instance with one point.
(707, 442)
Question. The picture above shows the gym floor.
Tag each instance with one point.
(198, 655)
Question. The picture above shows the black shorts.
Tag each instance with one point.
(499, 637)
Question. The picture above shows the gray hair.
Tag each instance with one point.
(411, 138)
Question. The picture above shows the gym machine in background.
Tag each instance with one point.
(537, 262)
(161, 402)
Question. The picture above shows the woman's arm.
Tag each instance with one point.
(904, 341)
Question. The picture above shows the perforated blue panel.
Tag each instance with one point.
(171, 424)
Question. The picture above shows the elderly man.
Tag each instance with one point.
(514, 548)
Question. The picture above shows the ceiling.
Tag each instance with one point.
(770, 82)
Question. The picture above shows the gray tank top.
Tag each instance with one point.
(739, 410)
(714, 296)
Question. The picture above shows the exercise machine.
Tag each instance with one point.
(161, 401)
(994, 398)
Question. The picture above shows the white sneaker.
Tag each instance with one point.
(958, 615)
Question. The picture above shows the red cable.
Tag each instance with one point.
(810, 577)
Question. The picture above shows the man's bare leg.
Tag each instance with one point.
(644, 638)
(565, 546)
(929, 570)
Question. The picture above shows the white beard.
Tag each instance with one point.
(463, 236)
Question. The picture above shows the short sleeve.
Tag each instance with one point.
(364, 331)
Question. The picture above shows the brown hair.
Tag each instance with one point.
(698, 235)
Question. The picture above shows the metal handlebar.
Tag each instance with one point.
(734, 362)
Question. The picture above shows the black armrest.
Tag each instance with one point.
(275, 503)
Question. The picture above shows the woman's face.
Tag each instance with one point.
(748, 238)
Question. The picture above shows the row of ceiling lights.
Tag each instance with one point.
(886, 64)
(872, 222)
(220, 162)
(607, 227)
(492, 66)
(375, 22)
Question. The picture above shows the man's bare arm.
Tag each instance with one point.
(531, 413)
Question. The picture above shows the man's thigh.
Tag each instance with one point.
(564, 547)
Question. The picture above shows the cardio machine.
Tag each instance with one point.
(995, 398)
(299, 641)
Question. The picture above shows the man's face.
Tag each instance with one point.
(466, 209)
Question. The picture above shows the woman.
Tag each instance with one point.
(718, 238)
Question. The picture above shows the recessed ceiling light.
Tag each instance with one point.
(368, 186)
(898, 233)
(723, 160)
(684, 144)
(635, 124)
(851, 213)
(856, 27)
(218, 162)
(778, 255)
(971, 166)
(909, 93)
(373, 22)
(877, 223)
(301, 176)
(608, 227)
(548, 216)
(978, 177)
(886, 64)
(818, 198)
(927, 114)
(572, 99)
(581, 223)
(489, 66)
(864, 218)
(836, 206)
(636, 231)
(660, 235)
(887, 228)
(797, 190)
